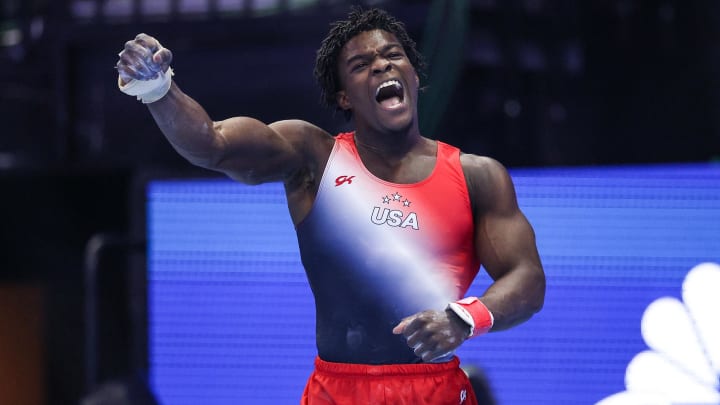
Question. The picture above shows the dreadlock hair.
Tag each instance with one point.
(359, 20)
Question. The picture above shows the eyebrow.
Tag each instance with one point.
(361, 56)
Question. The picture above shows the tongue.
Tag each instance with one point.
(390, 102)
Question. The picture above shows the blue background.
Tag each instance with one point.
(232, 317)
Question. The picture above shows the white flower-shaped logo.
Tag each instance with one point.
(683, 363)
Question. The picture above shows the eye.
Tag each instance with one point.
(395, 55)
(358, 66)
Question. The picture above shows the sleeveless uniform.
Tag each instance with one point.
(375, 252)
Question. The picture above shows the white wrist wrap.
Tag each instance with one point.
(148, 91)
(474, 313)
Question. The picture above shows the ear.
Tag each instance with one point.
(417, 80)
(342, 100)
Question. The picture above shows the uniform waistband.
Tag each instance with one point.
(351, 369)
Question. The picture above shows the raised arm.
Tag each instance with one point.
(505, 243)
(242, 147)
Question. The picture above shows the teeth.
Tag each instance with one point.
(386, 84)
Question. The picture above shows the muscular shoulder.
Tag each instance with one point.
(489, 184)
(310, 140)
(314, 146)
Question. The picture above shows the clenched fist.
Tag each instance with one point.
(144, 69)
(433, 334)
(142, 59)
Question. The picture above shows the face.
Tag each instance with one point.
(379, 84)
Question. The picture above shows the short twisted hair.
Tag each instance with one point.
(359, 20)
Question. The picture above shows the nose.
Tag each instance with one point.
(381, 66)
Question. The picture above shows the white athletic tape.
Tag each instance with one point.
(148, 91)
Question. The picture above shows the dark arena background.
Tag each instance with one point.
(125, 273)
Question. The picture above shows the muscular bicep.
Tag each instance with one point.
(253, 152)
(504, 238)
(504, 242)
(244, 148)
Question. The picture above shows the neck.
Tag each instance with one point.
(403, 160)
(387, 145)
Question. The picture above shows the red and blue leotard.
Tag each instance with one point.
(375, 252)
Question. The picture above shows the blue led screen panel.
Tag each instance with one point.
(232, 317)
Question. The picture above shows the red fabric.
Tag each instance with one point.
(396, 384)
(440, 201)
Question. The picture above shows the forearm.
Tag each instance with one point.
(187, 127)
(515, 297)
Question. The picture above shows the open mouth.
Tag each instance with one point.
(389, 94)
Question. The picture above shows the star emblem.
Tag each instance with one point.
(406, 202)
(396, 196)
(386, 200)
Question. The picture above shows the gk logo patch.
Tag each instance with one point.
(340, 180)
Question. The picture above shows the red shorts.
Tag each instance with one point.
(397, 384)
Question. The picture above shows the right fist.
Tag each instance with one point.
(142, 59)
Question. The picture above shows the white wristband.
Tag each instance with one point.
(148, 91)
